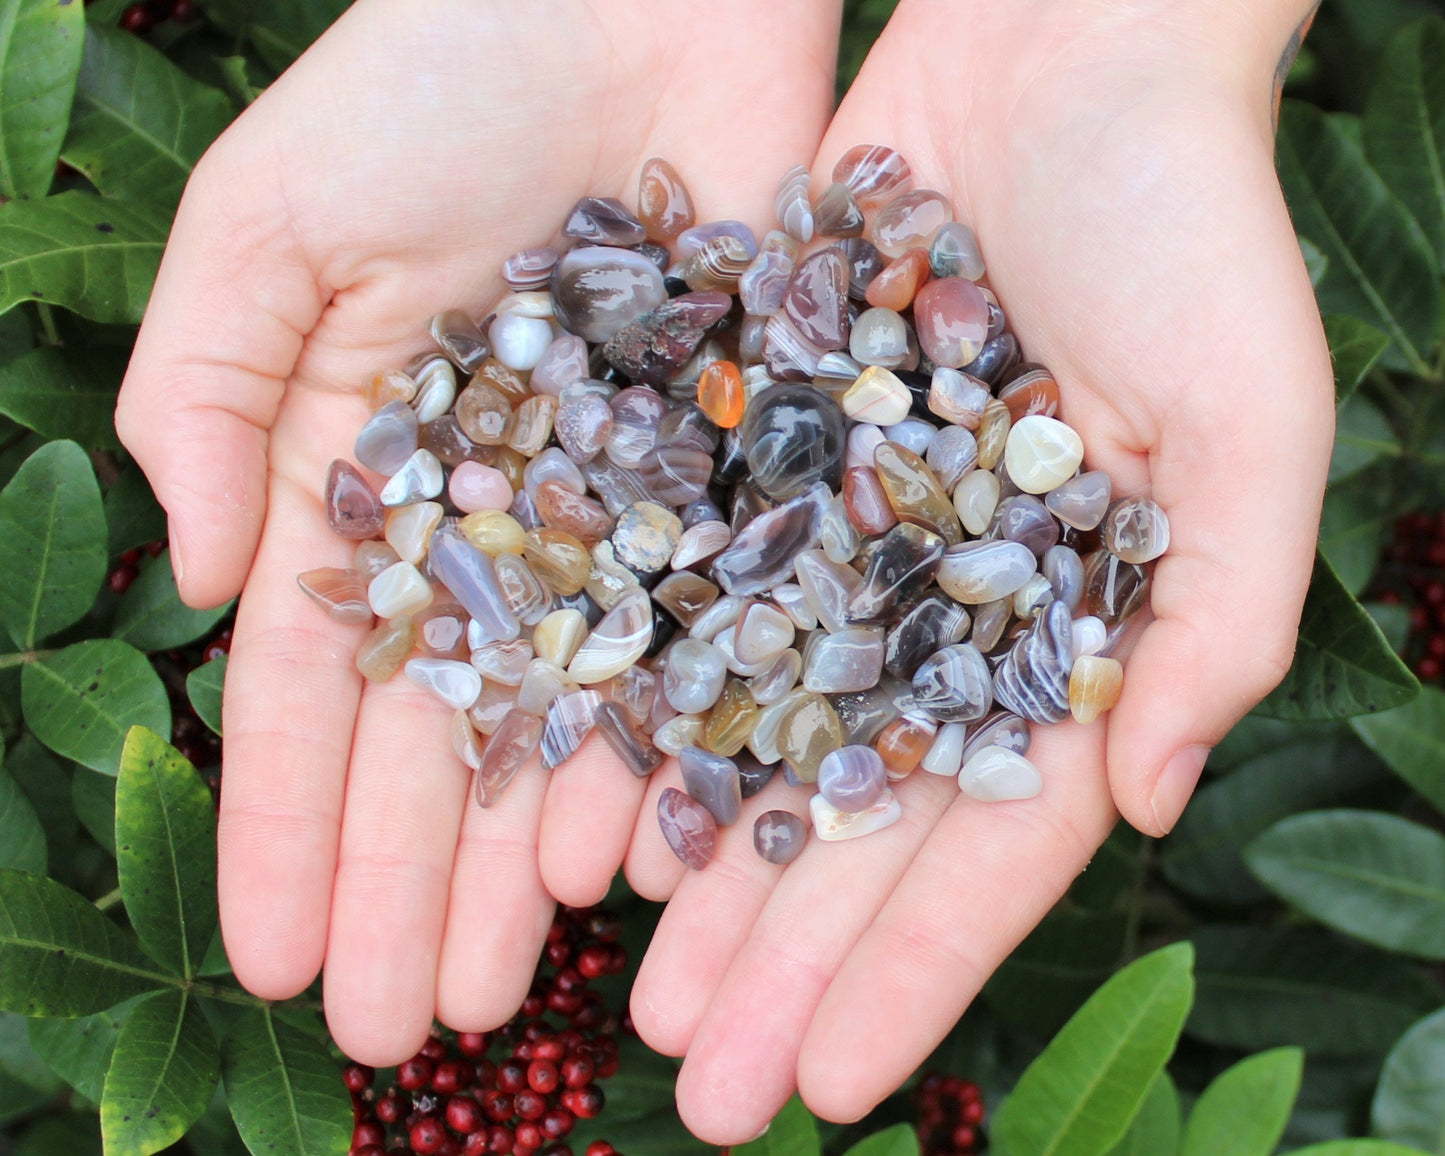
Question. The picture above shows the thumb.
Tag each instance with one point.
(232, 303)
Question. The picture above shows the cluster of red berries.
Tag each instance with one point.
(127, 566)
(1414, 576)
(950, 1116)
(141, 18)
(454, 1099)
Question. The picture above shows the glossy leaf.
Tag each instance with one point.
(165, 841)
(1203, 855)
(1353, 523)
(1362, 437)
(1343, 665)
(1079, 1096)
(94, 256)
(1262, 987)
(22, 838)
(79, 1050)
(46, 783)
(152, 615)
(93, 797)
(53, 527)
(1055, 969)
(81, 701)
(59, 956)
(203, 688)
(1411, 740)
(1381, 268)
(1404, 124)
(793, 1132)
(899, 1140)
(1409, 1103)
(63, 394)
(1355, 346)
(161, 1076)
(1244, 1109)
(133, 517)
(1155, 1128)
(1356, 1148)
(40, 44)
(140, 123)
(284, 1091)
(1370, 875)
(281, 30)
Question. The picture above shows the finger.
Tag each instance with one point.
(653, 871)
(742, 1063)
(987, 874)
(404, 800)
(499, 909)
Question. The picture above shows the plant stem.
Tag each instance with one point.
(106, 902)
(1134, 907)
(21, 657)
(47, 323)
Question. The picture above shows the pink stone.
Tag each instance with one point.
(688, 827)
(474, 487)
(951, 317)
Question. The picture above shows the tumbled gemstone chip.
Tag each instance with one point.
(640, 756)
(852, 778)
(1136, 530)
(833, 825)
(688, 827)
(352, 509)
(712, 780)
(779, 836)
(339, 592)
(996, 774)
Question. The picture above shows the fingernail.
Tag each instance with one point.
(763, 1133)
(175, 548)
(1176, 784)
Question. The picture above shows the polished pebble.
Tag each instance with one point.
(779, 836)
(688, 828)
(996, 774)
(833, 825)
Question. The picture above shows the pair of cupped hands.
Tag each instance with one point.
(1114, 157)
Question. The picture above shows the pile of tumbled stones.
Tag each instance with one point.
(795, 504)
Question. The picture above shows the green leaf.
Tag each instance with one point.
(1404, 124)
(1079, 1096)
(93, 796)
(1411, 740)
(1355, 346)
(81, 701)
(1203, 855)
(1051, 973)
(1155, 1129)
(93, 256)
(152, 615)
(59, 956)
(39, 56)
(62, 393)
(1316, 263)
(19, 1060)
(285, 1092)
(1265, 987)
(165, 841)
(203, 688)
(1343, 665)
(46, 783)
(22, 838)
(1244, 1109)
(641, 1117)
(140, 124)
(53, 527)
(281, 30)
(899, 1140)
(1353, 523)
(1381, 268)
(161, 1077)
(68, 1134)
(236, 78)
(1409, 1104)
(1356, 1148)
(133, 517)
(79, 1050)
(1370, 875)
(793, 1132)
(1362, 437)
(1393, 619)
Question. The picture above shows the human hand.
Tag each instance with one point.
(1116, 162)
(384, 178)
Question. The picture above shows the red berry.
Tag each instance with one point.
(500, 1139)
(571, 981)
(389, 1109)
(600, 1148)
(464, 1115)
(529, 1134)
(476, 1144)
(369, 1150)
(368, 1133)
(971, 1112)
(511, 1076)
(577, 1071)
(137, 18)
(529, 1105)
(964, 1136)
(1429, 668)
(183, 11)
(472, 1043)
(557, 954)
(427, 1136)
(557, 932)
(130, 557)
(564, 1003)
(553, 1048)
(452, 1076)
(414, 1074)
(434, 1050)
(357, 1077)
(542, 1076)
(558, 1123)
(587, 1102)
(594, 960)
(120, 578)
(497, 1106)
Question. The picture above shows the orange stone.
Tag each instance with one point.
(902, 744)
(720, 393)
(895, 287)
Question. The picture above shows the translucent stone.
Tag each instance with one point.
(852, 778)
(840, 541)
(676, 474)
(388, 438)
(563, 362)
(951, 454)
(693, 240)
(570, 720)
(484, 415)
(712, 780)
(619, 640)
(865, 262)
(596, 290)
(848, 660)
(793, 602)
(471, 576)
(1000, 729)
(452, 447)
(793, 437)
(493, 532)
(992, 433)
(688, 828)
(1090, 634)
(339, 592)
(533, 304)
(787, 354)
(791, 204)
(397, 590)
(899, 570)
(603, 221)
(512, 744)
(441, 630)
(654, 346)
(914, 493)
(684, 595)
(529, 269)
(387, 386)
(909, 220)
(989, 622)
(863, 440)
(873, 173)
(827, 586)
(718, 264)
(385, 648)
(699, 543)
(474, 487)
(954, 684)
(816, 301)
(1064, 570)
(957, 398)
(634, 689)
(1032, 681)
(762, 555)
(419, 479)
(541, 684)
(806, 731)
(465, 741)
(723, 640)
(583, 426)
(718, 617)
(352, 509)
(913, 434)
(506, 382)
(503, 662)
(616, 727)
(558, 559)
(695, 675)
(945, 754)
(1095, 684)
(436, 390)
(996, 775)
(1024, 519)
(532, 425)
(936, 622)
(1032, 391)
(492, 706)
(1032, 597)
(954, 253)
(1042, 453)
(459, 338)
(951, 319)
(833, 825)
(455, 683)
(777, 680)
(974, 572)
(663, 204)
(877, 397)
(879, 337)
(372, 558)
(720, 393)
(866, 502)
(559, 635)
(975, 498)
(582, 517)
(636, 413)
(1113, 589)
(837, 213)
(684, 730)
(779, 836)
(1136, 530)
(731, 720)
(763, 742)
(897, 285)
(1080, 502)
(902, 743)
(763, 631)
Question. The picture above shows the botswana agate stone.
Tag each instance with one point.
(1033, 679)
(793, 437)
(688, 827)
